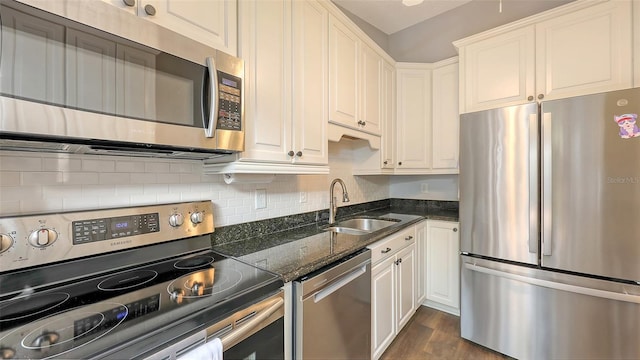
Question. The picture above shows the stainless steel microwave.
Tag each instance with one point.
(122, 86)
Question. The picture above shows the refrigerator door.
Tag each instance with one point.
(591, 184)
(528, 313)
(499, 183)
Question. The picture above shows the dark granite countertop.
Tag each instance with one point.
(298, 251)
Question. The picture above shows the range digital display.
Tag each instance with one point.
(86, 231)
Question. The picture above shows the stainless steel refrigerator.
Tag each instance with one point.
(550, 228)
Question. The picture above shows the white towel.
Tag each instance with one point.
(211, 350)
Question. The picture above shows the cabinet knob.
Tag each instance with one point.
(299, 154)
(291, 153)
(540, 96)
(400, 163)
(130, 3)
(150, 10)
(385, 162)
(455, 229)
(530, 98)
(363, 123)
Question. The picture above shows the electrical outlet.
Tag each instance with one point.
(424, 188)
(261, 198)
(303, 196)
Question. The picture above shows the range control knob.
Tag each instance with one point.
(6, 241)
(176, 220)
(197, 217)
(43, 237)
(177, 296)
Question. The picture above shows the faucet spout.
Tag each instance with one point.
(333, 208)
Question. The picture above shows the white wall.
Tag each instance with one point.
(40, 182)
(438, 187)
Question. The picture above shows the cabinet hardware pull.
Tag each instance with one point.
(385, 250)
(540, 96)
(455, 229)
(400, 163)
(150, 10)
(530, 98)
(291, 153)
(129, 3)
(408, 238)
(385, 162)
(299, 154)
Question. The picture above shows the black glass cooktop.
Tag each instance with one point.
(82, 318)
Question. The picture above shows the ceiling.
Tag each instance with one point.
(391, 16)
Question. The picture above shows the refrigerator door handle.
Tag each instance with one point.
(546, 184)
(534, 211)
(556, 285)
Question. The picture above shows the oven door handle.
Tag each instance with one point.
(243, 331)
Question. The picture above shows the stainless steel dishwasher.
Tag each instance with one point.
(333, 310)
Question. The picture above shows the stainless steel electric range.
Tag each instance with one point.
(138, 282)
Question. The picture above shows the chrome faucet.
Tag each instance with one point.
(332, 200)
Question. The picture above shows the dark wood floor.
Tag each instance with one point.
(433, 334)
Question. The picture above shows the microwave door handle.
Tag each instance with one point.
(210, 126)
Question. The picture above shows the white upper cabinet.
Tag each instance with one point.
(355, 81)
(310, 82)
(343, 74)
(370, 110)
(587, 51)
(284, 46)
(388, 117)
(413, 140)
(498, 71)
(445, 117)
(213, 23)
(580, 48)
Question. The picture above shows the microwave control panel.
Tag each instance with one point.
(229, 102)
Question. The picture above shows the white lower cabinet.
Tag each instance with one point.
(393, 283)
(442, 266)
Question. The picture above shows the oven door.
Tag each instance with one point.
(256, 332)
(61, 79)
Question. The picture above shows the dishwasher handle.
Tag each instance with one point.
(339, 283)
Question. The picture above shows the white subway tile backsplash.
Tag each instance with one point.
(44, 205)
(79, 178)
(114, 178)
(167, 178)
(19, 162)
(155, 188)
(129, 190)
(157, 167)
(114, 201)
(60, 163)
(29, 178)
(130, 166)
(9, 178)
(61, 191)
(10, 207)
(98, 190)
(144, 178)
(95, 165)
(18, 193)
(178, 167)
(144, 199)
(193, 178)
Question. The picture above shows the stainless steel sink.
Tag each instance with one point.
(361, 226)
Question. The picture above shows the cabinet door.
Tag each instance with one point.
(498, 71)
(413, 140)
(370, 112)
(445, 117)
(406, 284)
(310, 82)
(209, 22)
(443, 269)
(91, 72)
(421, 262)
(36, 62)
(343, 74)
(265, 49)
(585, 52)
(388, 117)
(383, 299)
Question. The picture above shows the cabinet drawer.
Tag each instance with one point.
(392, 244)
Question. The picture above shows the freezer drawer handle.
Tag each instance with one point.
(241, 331)
(556, 286)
